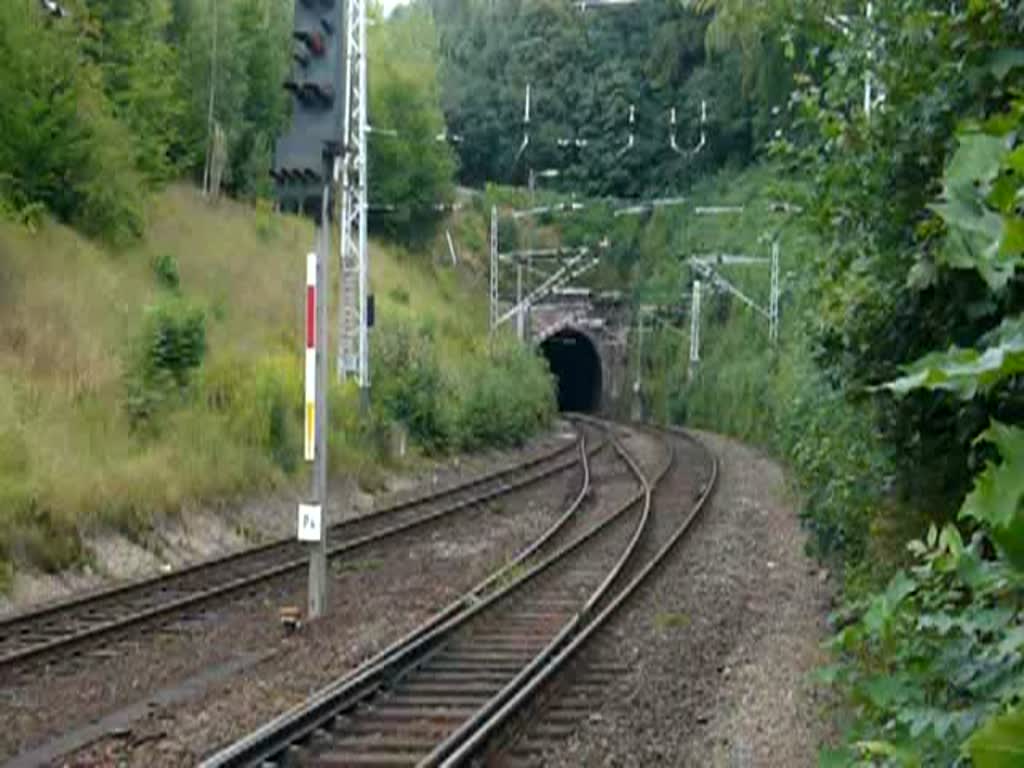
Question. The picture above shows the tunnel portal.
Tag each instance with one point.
(576, 365)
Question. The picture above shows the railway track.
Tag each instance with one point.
(529, 730)
(448, 692)
(72, 627)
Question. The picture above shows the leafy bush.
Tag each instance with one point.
(491, 398)
(166, 268)
(934, 665)
(831, 444)
(504, 398)
(358, 439)
(174, 340)
(408, 384)
(262, 403)
(170, 345)
(933, 656)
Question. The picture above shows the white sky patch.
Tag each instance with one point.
(389, 5)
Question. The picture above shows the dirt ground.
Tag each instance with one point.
(721, 643)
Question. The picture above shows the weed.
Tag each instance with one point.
(510, 576)
(399, 295)
(268, 225)
(6, 574)
(171, 343)
(165, 266)
(667, 620)
(357, 566)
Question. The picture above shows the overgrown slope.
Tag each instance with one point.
(106, 420)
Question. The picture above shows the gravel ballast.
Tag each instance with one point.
(720, 644)
(375, 597)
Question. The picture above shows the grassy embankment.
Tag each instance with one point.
(91, 438)
(777, 398)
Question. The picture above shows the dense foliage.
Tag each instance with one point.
(170, 346)
(60, 146)
(916, 211)
(500, 397)
(896, 394)
(905, 245)
(137, 76)
(412, 171)
(586, 70)
(123, 95)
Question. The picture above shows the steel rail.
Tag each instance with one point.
(476, 743)
(299, 725)
(336, 528)
(16, 625)
(465, 732)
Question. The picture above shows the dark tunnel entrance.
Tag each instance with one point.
(577, 367)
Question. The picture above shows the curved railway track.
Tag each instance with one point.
(70, 627)
(531, 726)
(447, 693)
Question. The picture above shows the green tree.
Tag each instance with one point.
(586, 70)
(60, 146)
(264, 40)
(128, 40)
(411, 171)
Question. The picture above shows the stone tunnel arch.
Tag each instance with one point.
(574, 360)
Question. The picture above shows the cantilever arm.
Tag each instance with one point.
(523, 146)
(674, 145)
(526, 125)
(632, 139)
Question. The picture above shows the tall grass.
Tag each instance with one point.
(775, 397)
(71, 312)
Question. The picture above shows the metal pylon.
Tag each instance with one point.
(695, 329)
(353, 351)
(773, 306)
(494, 270)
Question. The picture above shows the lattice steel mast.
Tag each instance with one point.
(353, 341)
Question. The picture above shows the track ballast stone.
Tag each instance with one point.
(375, 597)
(720, 644)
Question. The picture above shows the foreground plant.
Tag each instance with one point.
(934, 664)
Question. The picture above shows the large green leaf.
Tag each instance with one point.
(1005, 60)
(898, 754)
(1000, 742)
(975, 162)
(965, 372)
(998, 495)
(979, 238)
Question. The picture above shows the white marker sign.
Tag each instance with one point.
(309, 522)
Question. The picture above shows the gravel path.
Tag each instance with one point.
(375, 597)
(721, 643)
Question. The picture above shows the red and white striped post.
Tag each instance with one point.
(310, 409)
(311, 524)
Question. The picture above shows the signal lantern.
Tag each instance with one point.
(303, 157)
